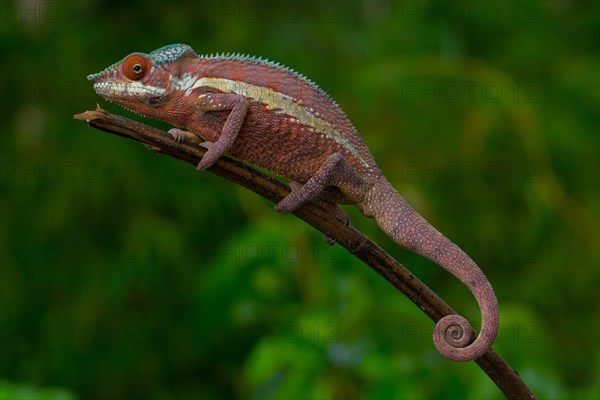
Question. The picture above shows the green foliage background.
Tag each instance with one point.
(128, 275)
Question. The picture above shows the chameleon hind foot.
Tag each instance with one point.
(325, 203)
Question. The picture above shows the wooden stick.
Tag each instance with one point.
(507, 380)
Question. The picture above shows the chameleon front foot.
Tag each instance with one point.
(213, 153)
(180, 135)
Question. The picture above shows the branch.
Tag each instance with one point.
(507, 380)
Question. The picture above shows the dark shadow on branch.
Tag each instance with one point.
(507, 380)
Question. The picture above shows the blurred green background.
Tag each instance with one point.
(128, 275)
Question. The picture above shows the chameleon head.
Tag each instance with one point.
(142, 82)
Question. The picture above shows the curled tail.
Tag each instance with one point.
(411, 231)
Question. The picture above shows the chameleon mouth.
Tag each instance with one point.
(127, 90)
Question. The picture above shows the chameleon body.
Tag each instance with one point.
(270, 116)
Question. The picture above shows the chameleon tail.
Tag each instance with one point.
(407, 228)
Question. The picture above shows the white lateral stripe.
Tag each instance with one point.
(280, 102)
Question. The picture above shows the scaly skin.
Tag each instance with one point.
(272, 117)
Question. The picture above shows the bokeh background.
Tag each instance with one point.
(129, 275)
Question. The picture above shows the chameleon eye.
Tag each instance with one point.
(135, 67)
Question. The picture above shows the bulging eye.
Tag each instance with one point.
(136, 67)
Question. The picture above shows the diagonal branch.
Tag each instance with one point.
(507, 380)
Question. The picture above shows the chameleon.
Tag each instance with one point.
(268, 115)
